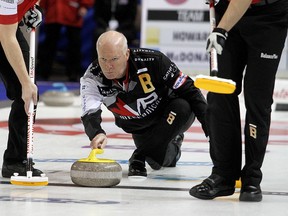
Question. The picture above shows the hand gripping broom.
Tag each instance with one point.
(213, 83)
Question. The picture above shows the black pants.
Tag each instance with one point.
(256, 43)
(47, 51)
(154, 142)
(17, 138)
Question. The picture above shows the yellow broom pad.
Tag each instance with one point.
(215, 84)
(29, 181)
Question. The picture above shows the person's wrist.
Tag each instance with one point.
(221, 31)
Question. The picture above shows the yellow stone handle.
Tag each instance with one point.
(92, 157)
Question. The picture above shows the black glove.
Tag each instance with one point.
(217, 40)
(33, 18)
(208, 2)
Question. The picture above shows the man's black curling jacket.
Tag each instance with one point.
(139, 98)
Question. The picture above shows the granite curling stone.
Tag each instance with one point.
(94, 172)
(58, 98)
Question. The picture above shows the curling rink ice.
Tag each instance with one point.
(59, 141)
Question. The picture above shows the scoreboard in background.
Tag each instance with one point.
(179, 28)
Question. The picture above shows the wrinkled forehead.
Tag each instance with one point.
(110, 50)
(110, 53)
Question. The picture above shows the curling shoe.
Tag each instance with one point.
(153, 164)
(250, 193)
(8, 170)
(177, 141)
(212, 187)
(137, 170)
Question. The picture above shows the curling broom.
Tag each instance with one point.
(213, 83)
(30, 180)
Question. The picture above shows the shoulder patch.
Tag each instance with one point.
(180, 80)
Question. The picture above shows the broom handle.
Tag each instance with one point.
(31, 112)
(213, 53)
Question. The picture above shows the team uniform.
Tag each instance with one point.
(12, 12)
(255, 42)
(154, 102)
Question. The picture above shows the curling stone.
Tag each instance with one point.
(59, 97)
(96, 172)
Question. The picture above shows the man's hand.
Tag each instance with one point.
(217, 40)
(33, 18)
(29, 93)
(99, 141)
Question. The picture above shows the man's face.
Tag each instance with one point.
(113, 61)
